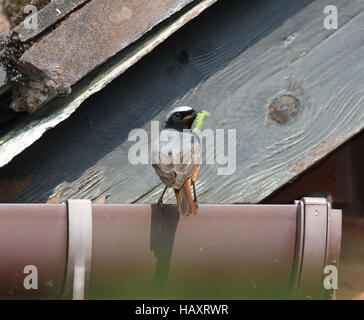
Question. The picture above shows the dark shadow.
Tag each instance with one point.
(6, 114)
(162, 231)
(182, 62)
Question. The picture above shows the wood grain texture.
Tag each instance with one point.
(234, 67)
(27, 129)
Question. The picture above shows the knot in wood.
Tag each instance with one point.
(284, 108)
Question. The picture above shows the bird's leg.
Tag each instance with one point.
(160, 202)
(194, 193)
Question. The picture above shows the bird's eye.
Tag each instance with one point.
(178, 116)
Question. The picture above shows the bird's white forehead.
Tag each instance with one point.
(181, 109)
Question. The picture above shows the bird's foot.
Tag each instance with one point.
(160, 203)
(196, 203)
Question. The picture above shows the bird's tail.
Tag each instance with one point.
(185, 203)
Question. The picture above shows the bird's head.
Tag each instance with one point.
(180, 118)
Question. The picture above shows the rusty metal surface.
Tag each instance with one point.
(141, 251)
(85, 40)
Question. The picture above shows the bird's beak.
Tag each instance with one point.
(190, 116)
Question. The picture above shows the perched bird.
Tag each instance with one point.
(177, 156)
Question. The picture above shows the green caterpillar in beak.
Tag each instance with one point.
(200, 118)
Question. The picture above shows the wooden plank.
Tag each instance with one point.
(234, 68)
(341, 174)
(29, 129)
(328, 82)
(95, 33)
(49, 15)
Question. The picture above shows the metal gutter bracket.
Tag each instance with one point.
(79, 249)
(313, 252)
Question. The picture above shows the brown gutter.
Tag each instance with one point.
(141, 251)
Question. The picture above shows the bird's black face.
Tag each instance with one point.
(180, 118)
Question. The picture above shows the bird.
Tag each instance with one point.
(176, 162)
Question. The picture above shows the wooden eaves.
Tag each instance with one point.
(139, 27)
(292, 89)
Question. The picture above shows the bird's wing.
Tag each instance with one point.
(167, 177)
(178, 156)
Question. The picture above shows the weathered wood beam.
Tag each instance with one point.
(85, 40)
(29, 129)
(274, 146)
(236, 67)
(48, 16)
